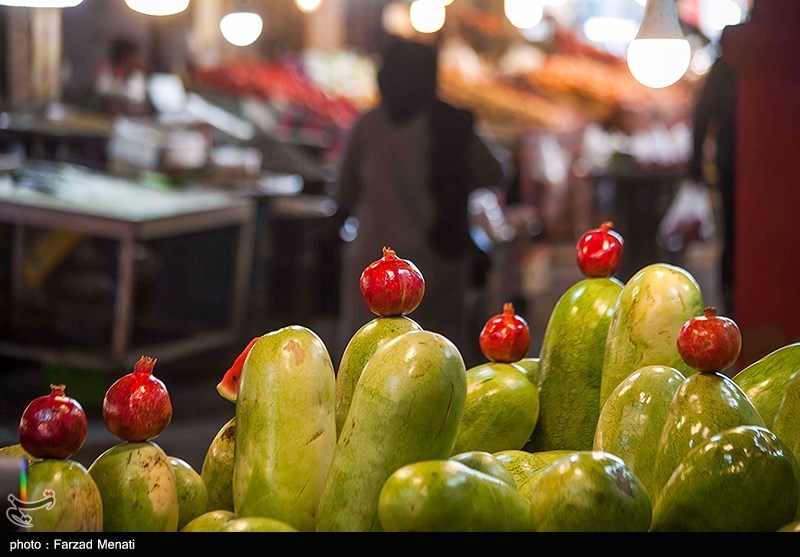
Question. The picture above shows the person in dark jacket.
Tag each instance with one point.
(406, 175)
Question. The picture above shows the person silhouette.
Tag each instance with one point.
(406, 175)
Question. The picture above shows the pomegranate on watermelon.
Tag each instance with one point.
(600, 251)
(709, 343)
(228, 388)
(505, 337)
(53, 426)
(137, 407)
(392, 286)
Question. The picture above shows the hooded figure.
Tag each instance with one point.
(406, 175)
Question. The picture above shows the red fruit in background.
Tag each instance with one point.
(709, 343)
(392, 286)
(600, 251)
(505, 337)
(53, 426)
(228, 388)
(137, 406)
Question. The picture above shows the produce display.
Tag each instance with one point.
(284, 83)
(499, 105)
(624, 423)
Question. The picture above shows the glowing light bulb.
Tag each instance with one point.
(701, 62)
(658, 63)
(605, 29)
(308, 6)
(158, 7)
(723, 13)
(446, 2)
(427, 16)
(659, 55)
(41, 3)
(241, 28)
(524, 14)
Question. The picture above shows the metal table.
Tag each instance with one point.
(157, 214)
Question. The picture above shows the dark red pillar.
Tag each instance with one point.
(766, 55)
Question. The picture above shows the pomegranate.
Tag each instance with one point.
(600, 251)
(228, 388)
(709, 343)
(53, 426)
(137, 406)
(505, 337)
(392, 286)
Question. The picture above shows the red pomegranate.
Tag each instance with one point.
(505, 337)
(600, 251)
(53, 426)
(137, 406)
(709, 343)
(392, 286)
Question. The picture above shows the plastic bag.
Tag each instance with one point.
(689, 218)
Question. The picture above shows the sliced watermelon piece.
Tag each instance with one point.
(228, 388)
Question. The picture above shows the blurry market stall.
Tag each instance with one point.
(256, 101)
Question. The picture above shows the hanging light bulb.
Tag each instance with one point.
(41, 3)
(241, 28)
(659, 55)
(158, 7)
(427, 16)
(396, 20)
(308, 6)
(722, 13)
(524, 14)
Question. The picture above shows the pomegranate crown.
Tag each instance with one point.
(145, 365)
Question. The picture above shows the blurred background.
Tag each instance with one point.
(169, 173)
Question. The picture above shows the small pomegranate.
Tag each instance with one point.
(600, 251)
(137, 406)
(505, 337)
(709, 343)
(392, 286)
(53, 426)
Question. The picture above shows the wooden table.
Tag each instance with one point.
(157, 214)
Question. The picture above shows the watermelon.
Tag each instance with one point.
(228, 388)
